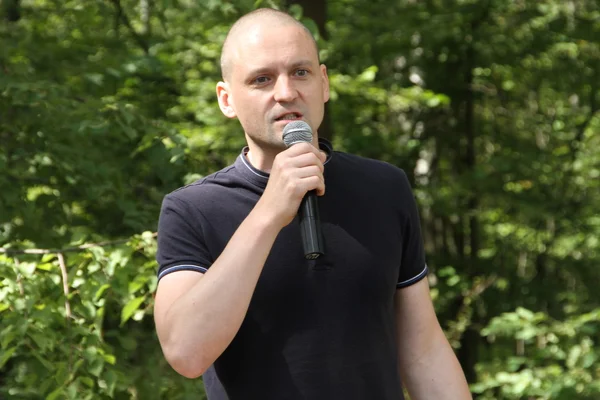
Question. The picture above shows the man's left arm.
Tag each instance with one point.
(428, 366)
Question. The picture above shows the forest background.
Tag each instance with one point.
(491, 106)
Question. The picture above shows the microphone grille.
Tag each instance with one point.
(296, 132)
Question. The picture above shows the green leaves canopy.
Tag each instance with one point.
(490, 106)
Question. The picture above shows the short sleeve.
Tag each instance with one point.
(181, 244)
(413, 266)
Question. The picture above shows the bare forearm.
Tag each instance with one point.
(426, 362)
(435, 374)
(203, 321)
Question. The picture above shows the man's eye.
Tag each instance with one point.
(302, 72)
(261, 80)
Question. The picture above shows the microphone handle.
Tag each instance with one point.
(310, 227)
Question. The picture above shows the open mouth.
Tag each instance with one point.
(289, 117)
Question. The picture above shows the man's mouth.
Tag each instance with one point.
(289, 117)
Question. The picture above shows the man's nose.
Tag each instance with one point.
(285, 90)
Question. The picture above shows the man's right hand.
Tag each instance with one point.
(296, 171)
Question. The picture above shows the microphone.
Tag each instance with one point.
(310, 222)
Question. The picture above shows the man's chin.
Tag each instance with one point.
(274, 144)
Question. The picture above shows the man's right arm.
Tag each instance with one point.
(196, 315)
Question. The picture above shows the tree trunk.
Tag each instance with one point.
(470, 340)
(12, 10)
(315, 10)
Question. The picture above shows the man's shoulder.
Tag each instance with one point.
(355, 166)
(207, 188)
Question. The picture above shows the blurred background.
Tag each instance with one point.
(491, 107)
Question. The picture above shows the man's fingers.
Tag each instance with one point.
(322, 156)
(315, 183)
(310, 170)
(302, 148)
(296, 171)
(304, 160)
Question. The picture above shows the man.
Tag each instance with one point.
(238, 303)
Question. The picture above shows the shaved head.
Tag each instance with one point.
(261, 16)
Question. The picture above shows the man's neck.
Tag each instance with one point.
(260, 160)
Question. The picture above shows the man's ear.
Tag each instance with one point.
(225, 100)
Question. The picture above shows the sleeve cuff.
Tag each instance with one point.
(182, 267)
(414, 279)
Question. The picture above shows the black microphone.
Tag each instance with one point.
(310, 222)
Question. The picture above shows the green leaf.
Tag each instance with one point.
(46, 266)
(111, 382)
(101, 291)
(368, 75)
(137, 284)
(27, 269)
(130, 308)
(7, 355)
(72, 390)
(525, 313)
(61, 374)
(7, 336)
(109, 358)
(96, 367)
(44, 361)
(89, 382)
(55, 393)
(43, 341)
(97, 79)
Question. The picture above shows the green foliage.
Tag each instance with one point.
(91, 338)
(492, 107)
(556, 359)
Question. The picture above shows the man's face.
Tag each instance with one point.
(275, 78)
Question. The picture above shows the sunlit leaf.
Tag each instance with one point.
(131, 307)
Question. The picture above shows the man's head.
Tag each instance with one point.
(271, 76)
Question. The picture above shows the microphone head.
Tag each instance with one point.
(297, 132)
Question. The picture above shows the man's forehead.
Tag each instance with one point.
(261, 35)
(264, 42)
(265, 32)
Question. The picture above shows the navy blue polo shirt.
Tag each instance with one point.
(315, 329)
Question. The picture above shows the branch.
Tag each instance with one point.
(478, 289)
(140, 40)
(65, 279)
(67, 249)
(464, 317)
